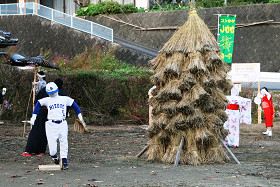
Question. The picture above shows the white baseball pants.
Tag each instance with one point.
(58, 132)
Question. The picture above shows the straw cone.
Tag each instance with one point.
(189, 100)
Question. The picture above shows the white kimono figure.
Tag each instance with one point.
(150, 107)
(232, 124)
(1, 101)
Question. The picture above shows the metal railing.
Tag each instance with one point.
(59, 17)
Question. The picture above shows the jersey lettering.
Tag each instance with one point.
(51, 107)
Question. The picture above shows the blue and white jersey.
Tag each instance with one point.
(57, 106)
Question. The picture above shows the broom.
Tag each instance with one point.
(80, 126)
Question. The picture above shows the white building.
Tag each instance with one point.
(70, 7)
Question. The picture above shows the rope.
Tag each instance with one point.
(193, 12)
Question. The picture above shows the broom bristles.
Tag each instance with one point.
(79, 126)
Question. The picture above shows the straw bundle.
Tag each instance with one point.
(163, 136)
(196, 64)
(185, 106)
(174, 65)
(169, 107)
(199, 95)
(203, 136)
(222, 115)
(216, 120)
(207, 81)
(220, 100)
(189, 79)
(216, 153)
(189, 101)
(187, 82)
(171, 150)
(209, 107)
(152, 130)
(160, 121)
(195, 120)
(169, 92)
(180, 121)
(157, 62)
(158, 78)
(194, 35)
(156, 149)
(213, 58)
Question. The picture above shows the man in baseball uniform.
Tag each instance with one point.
(56, 125)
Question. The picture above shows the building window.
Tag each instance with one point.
(8, 1)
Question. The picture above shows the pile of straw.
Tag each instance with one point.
(189, 100)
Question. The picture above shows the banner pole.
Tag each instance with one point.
(259, 107)
(218, 32)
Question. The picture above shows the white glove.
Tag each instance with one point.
(263, 92)
(33, 118)
(81, 119)
(259, 95)
(257, 100)
(4, 91)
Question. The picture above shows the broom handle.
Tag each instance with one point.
(25, 122)
(178, 152)
(35, 74)
(231, 153)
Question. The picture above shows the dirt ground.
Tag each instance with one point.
(106, 157)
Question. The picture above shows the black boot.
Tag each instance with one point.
(64, 164)
(55, 159)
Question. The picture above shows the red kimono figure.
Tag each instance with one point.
(268, 109)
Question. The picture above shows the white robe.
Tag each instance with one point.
(235, 117)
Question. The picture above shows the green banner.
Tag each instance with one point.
(226, 36)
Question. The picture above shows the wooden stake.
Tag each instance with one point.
(179, 152)
(231, 153)
(143, 151)
(25, 122)
(35, 75)
(259, 107)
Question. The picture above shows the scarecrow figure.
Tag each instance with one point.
(1, 101)
(189, 101)
(41, 83)
(234, 113)
(150, 107)
(268, 110)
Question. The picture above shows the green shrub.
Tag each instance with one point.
(82, 11)
(111, 7)
(95, 9)
(209, 4)
(91, 10)
(246, 2)
(128, 8)
(274, 1)
(103, 86)
(108, 7)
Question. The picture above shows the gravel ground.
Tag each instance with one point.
(106, 157)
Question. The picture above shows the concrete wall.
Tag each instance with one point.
(35, 33)
(254, 44)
